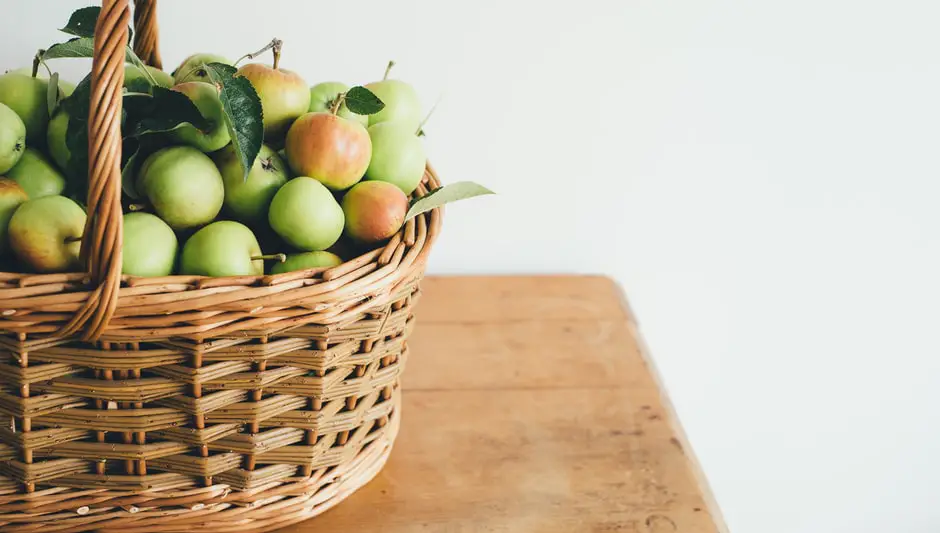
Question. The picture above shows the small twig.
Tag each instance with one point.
(280, 258)
(275, 44)
(337, 103)
(388, 69)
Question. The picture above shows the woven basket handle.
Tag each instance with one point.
(103, 236)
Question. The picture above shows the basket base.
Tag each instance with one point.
(288, 504)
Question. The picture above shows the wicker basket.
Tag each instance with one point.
(187, 403)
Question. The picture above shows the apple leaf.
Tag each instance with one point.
(362, 101)
(82, 22)
(164, 110)
(52, 93)
(130, 151)
(242, 113)
(445, 195)
(85, 47)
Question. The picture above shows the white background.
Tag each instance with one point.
(761, 176)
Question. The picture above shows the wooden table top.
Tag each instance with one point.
(530, 406)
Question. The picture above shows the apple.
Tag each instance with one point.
(248, 200)
(37, 175)
(306, 215)
(284, 95)
(12, 138)
(402, 104)
(330, 149)
(45, 234)
(397, 156)
(323, 95)
(11, 196)
(56, 139)
(26, 96)
(222, 248)
(183, 185)
(191, 68)
(132, 73)
(206, 99)
(305, 260)
(374, 211)
(149, 246)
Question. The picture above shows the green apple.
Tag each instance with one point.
(11, 196)
(248, 200)
(323, 95)
(206, 99)
(330, 149)
(37, 175)
(284, 95)
(397, 156)
(45, 234)
(401, 104)
(132, 73)
(306, 260)
(191, 68)
(149, 246)
(223, 248)
(27, 97)
(12, 138)
(305, 214)
(374, 211)
(66, 88)
(56, 141)
(183, 185)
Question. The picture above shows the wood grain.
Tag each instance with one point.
(525, 415)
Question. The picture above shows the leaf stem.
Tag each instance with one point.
(337, 103)
(280, 258)
(388, 69)
(428, 116)
(275, 45)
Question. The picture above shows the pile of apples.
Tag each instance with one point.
(325, 182)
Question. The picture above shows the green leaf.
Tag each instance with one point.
(82, 22)
(138, 86)
(445, 195)
(362, 101)
(164, 110)
(52, 93)
(85, 47)
(130, 151)
(242, 112)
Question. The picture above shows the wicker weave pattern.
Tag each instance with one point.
(187, 403)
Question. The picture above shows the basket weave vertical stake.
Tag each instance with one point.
(191, 404)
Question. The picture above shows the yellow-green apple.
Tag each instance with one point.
(56, 141)
(12, 138)
(224, 248)
(45, 234)
(206, 99)
(11, 196)
(132, 73)
(324, 95)
(397, 156)
(306, 215)
(284, 97)
(401, 104)
(183, 185)
(248, 199)
(305, 260)
(26, 96)
(191, 69)
(149, 246)
(37, 175)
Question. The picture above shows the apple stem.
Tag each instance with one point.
(337, 103)
(36, 61)
(428, 116)
(388, 69)
(137, 207)
(280, 258)
(275, 45)
(70, 240)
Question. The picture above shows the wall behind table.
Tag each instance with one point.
(760, 176)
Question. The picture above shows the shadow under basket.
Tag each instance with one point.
(194, 404)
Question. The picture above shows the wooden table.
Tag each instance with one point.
(530, 407)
